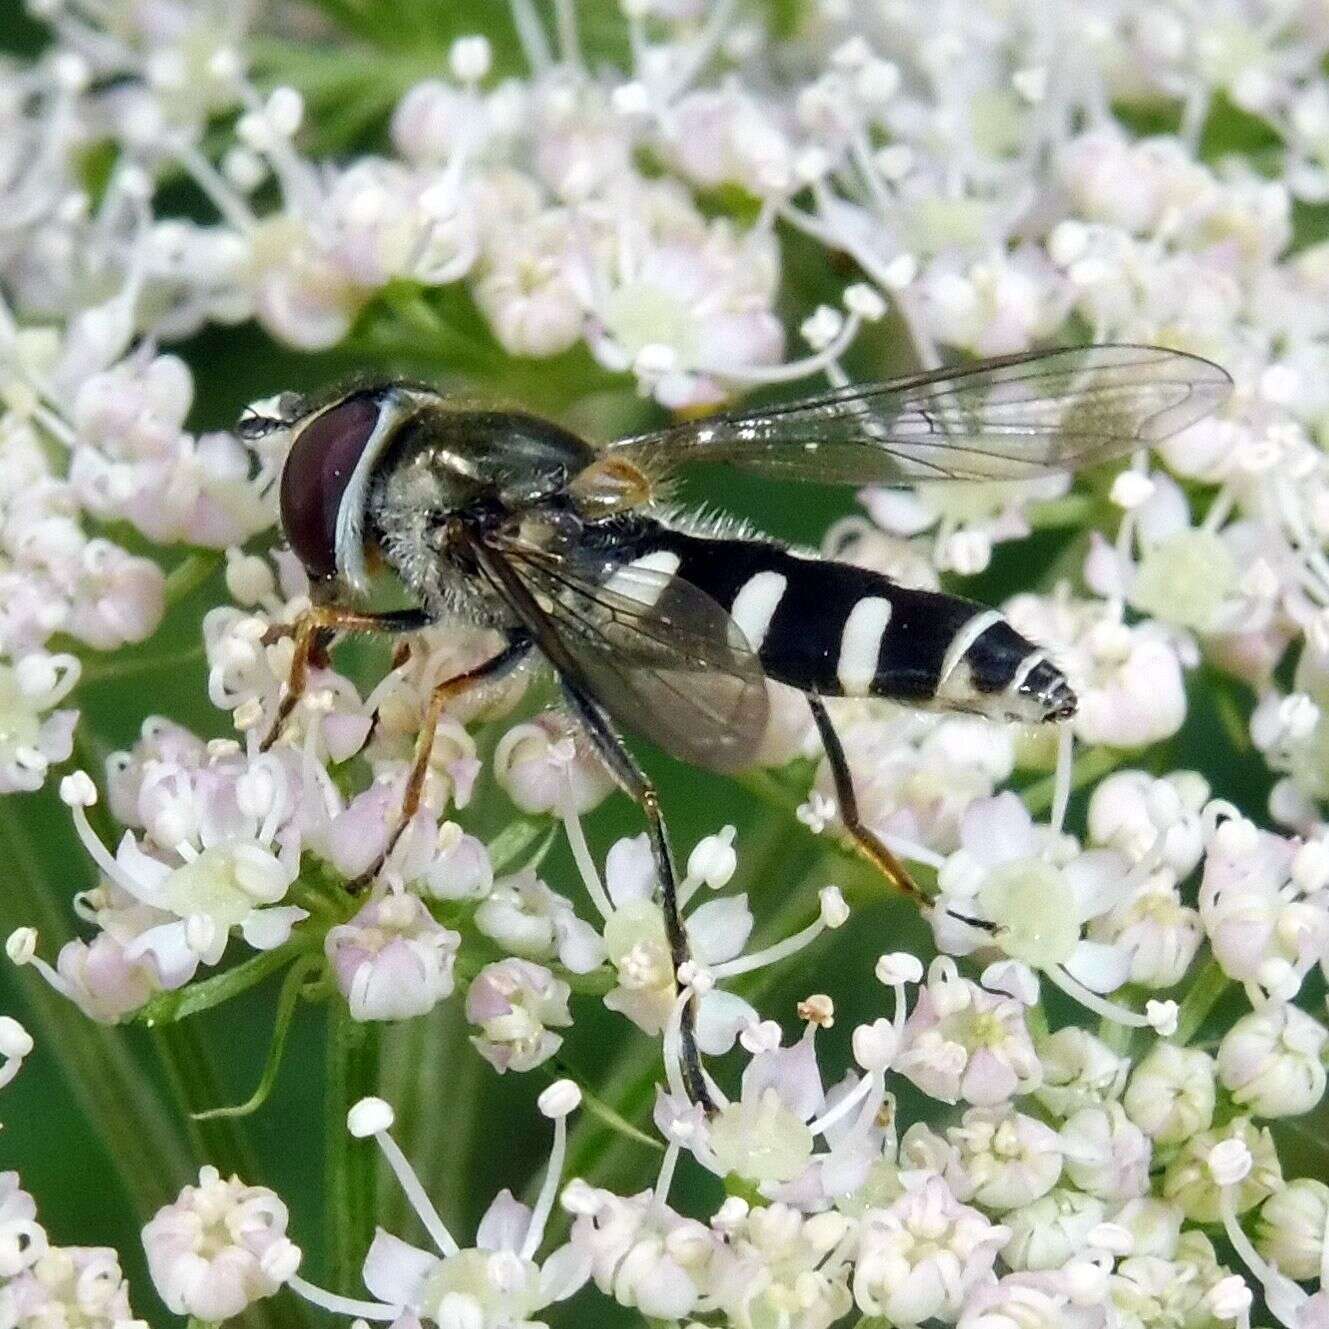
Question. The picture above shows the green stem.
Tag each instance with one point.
(1199, 1001)
(145, 1143)
(168, 1007)
(189, 574)
(1072, 510)
(1093, 765)
(349, 1180)
(96, 673)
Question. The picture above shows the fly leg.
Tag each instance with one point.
(312, 632)
(866, 841)
(629, 777)
(512, 655)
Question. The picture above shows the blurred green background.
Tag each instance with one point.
(98, 1120)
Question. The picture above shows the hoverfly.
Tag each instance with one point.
(666, 625)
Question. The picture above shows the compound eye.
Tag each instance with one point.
(313, 481)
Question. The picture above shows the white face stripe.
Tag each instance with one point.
(860, 644)
(645, 590)
(756, 603)
(349, 542)
(962, 641)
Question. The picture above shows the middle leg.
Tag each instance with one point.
(629, 777)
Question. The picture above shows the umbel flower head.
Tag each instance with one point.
(1106, 1052)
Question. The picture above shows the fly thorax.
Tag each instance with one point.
(417, 512)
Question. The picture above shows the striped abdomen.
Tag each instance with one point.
(839, 630)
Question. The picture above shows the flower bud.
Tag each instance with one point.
(1106, 1153)
(1171, 1093)
(1271, 1061)
(1055, 1227)
(1293, 1228)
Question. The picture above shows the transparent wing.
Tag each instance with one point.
(1010, 418)
(659, 654)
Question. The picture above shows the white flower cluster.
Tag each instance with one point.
(977, 166)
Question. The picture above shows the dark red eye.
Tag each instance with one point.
(317, 471)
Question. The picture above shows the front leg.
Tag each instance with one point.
(513, 654)
(312, 631)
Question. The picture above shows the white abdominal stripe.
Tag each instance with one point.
(860, 645)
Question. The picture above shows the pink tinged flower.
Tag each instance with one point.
(1260, 931)
(392, 961)
(922, 1255)
(102, 981)
(1272, 1061)
(513, 1003)
(1152, 820)
(544, 768)
(962, 1042)
(220, 1247)
(118, 598)
(34, 736)
(642, 1254)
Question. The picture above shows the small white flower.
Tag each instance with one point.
(1079, 1070)
(1106, 1153)
(495, 1284)
(526, 917)
(69, 1285)
(22, 1239)
(1050, 1231)
(1191, 1181)
(220, 1247)
(33, 736)
(778, 1263)
(643, 1254)
(919, 1257)
(1006, 1158)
